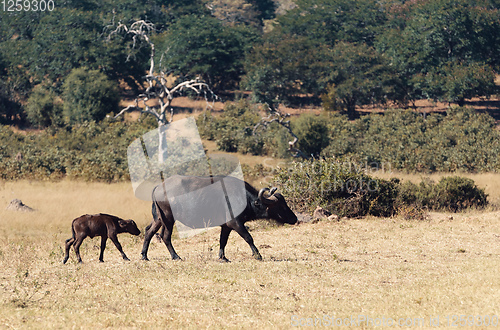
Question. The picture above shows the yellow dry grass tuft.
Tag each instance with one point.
(378, 268)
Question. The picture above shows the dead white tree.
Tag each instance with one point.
(280, 118)
(160, 95)
(158, 92)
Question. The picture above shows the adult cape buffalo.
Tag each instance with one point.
(254, 205)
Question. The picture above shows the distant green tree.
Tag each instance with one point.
(455, 30)
(266, 87)
(88, 95)
(177, 9)
(248, 12)
(456, 82)
(3, 89)
(201, 46)
(407, 61)
(329, 21)
(43, 108)
(359, 76)
(283, 67)
(425, 38)
(10, 107)
(47, 47)
(468, 81)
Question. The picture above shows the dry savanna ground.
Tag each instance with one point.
(374, 268)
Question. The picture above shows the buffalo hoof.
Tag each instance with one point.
(145, 258)
(224, 259)
(101, 260)
(126, 259)
(175, 256)
(257, 256)
(65, 260)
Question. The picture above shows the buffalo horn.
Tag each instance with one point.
(267, 200)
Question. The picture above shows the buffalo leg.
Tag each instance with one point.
(76, 246)
(150, 231)
(103, 246)
(243, 232)
(160, 235)
(224, 235)
(167, 239)
(114, 239)
(69, 242)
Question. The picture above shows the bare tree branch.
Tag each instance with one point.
(280, 118)
(157, 82)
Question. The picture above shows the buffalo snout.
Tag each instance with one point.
(129, 226)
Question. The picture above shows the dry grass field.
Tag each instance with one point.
(378, 269)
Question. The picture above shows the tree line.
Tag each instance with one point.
(59, 67)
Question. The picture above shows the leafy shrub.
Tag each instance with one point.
(456, 193)
(88, 95)
(207, 125)
(251, 144)
(312, 133)
(43, 109)
(449, 194)
(461, 140)
(90, 151)
(341, 187)
(227, 142)
(233, 130)
(344, 188)
(421, 195)
(383, 197)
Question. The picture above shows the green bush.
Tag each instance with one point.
(90, 151)
(88, 95)
(250, 144)
(344, 188)
(341, 187)
(449, 194)
(312, 133)
(457, 193)
(421, 195)
(461, 140)
(43, 108)
(207, 125)
(233, 130)
(227, 142)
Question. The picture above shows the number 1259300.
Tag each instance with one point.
(27, 5)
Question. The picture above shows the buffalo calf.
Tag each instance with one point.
(103, 225)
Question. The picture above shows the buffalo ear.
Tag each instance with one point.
(122, 223)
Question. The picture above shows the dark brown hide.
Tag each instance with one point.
(104, 225)
(258, 206)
